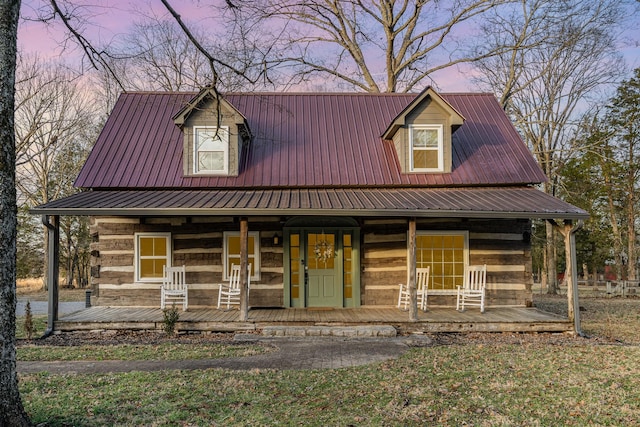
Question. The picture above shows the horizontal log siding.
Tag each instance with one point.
(501, 244)
(383, 260)
(197, 244)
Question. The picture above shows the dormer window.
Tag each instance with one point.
(211, 149)
(427, 149)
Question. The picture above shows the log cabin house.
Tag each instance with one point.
(332, 198)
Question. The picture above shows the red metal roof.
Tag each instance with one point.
(305, 140)
(477, 202)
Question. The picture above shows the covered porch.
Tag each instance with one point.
(395, 216)
(306, 321)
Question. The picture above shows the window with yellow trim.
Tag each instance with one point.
(152, 252)
(446, 254)
(231, 252)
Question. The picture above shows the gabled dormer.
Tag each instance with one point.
(215, 133)
(421, 134)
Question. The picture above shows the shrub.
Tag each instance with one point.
(29, 327)
(171, 317)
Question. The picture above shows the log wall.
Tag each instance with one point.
(197, 243)
(504, 245)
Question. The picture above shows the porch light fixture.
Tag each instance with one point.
(276, 239)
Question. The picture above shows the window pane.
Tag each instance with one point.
(159, 246)
(233, 245)
(151, 268)
(425, 159)
(210, 140)
(210, 160)
(295, 240)
(146, 246)
(346, 240)
(425, 138)
(348, 291)
(146, 268)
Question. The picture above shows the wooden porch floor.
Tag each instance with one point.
(436, 319)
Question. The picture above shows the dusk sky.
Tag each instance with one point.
(106, 21)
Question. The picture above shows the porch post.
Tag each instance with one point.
(568, 231)
(570, 249)
(244, 264)
(413, 298)
(53, 268)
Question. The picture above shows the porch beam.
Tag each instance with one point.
(244, 265)
(413, 297)
(52, 223)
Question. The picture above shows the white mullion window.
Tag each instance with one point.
(231, 252)
(211, 149)
(152, 253)
(427, 149)
(446, 253)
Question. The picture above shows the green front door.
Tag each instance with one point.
(324, 280)
(323, 263)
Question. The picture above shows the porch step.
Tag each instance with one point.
(387, 331)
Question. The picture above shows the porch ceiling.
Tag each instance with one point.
(470, 202)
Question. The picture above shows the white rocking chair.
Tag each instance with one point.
(422, 282)
(230, 293)
(472, 291)
(174, 287)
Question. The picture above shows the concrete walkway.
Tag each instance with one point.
(42, 307)
(290, 354)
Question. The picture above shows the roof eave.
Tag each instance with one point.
(181, 116)
(407, 213)
(400, 120)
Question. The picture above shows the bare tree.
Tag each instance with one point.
(162, 58)
(53, 126)
(12, 412)
(557, 56)
(375, 46)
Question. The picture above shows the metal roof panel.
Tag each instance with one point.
(484, 202)
(305, 140)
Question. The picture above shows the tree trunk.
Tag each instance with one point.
(11, 410)
(631, 239)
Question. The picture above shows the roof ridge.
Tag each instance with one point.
(257, 93)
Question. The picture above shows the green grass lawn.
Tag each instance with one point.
(484, 382)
